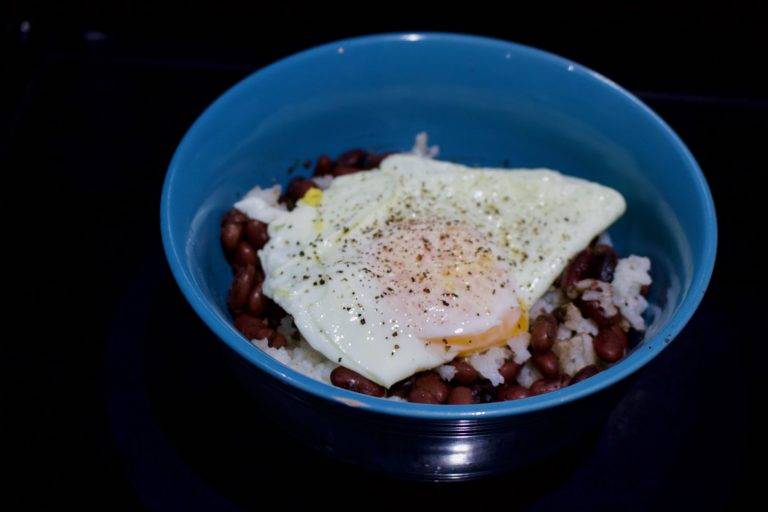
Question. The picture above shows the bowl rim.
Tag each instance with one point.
(264, 362)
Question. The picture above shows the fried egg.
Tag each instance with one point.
(403, 268)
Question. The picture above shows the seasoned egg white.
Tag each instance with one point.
(400, 269)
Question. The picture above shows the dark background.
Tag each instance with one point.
(113, 393)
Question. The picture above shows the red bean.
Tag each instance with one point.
(603, 263)
(296, 190)
(230, 236)
(234, 216)
(465, 373)
(276, 340)
(509, 371)
(241, 287)
(543, 332)
(511, 392)
(252, 327)
(610, 344)
(434, 384)
(421, 396)
(273, 312)
(402, 388)
(547, 363)
(561, 313)
(576, 270)
(343, 171)
(644, 290)
(323, 166)
(257, 302)
(256, 233)
(353, 381)
(245, 255)
(584, 373)
(352, 158)
(597, 262)
(373, 160)
(484, 391)
(591, 309)
(545, 386)
(461, 395)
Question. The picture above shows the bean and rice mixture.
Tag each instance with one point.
(588, 320)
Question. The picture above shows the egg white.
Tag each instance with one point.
(344, 265)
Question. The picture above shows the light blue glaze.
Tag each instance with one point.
(485, 102)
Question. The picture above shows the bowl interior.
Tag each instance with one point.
(484, 102)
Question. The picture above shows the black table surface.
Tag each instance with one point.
(116, 395)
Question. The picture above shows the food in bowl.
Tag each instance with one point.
(402, 276)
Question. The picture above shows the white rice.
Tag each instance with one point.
(605, 239)
(575, 353)
(323, 182)
(519, 346)
(421, 147)
(563, 333)
(577, 323)
(631, 274)
(300, 356)
(528, 375)
(600, 292)
(488, 363)
(447, 372)
(550, 301)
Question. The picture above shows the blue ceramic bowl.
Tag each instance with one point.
(485, 102)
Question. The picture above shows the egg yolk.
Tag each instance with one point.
(512, 324)
(312, 197)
